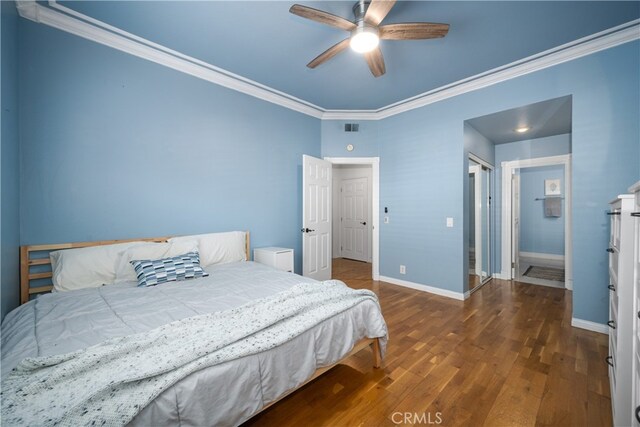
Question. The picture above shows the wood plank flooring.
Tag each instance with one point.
(505, 357)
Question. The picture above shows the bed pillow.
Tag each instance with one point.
(181, 267)
(89, 267)
(218, 248)
(150, 251)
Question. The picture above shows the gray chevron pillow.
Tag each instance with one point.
(181, 267)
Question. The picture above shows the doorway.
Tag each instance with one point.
(317, 214)
(479, 222)
(352, 212)
(355, 215)
(537, 228)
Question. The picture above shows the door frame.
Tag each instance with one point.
(507, 170)
(483, 163)
(375, 204)
(515, 231)
(477, 211)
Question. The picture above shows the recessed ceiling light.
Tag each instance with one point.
(523, 129)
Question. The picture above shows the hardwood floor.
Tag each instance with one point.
(474, 281)
(507, 356)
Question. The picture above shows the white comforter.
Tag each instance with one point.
(225, 394)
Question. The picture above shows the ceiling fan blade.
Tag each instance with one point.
(413, 31)
(378, 10)
(376, 62)
(329, 53)
(322, 17)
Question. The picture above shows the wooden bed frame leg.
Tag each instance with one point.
(377, 357)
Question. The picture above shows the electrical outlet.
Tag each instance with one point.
(386, 220)
(403, 269)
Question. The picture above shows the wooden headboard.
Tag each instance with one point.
(43, 262)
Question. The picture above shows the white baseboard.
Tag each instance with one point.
(425, 288)
(590, 326)
(568, 285)
(498, 276)
(538, 255)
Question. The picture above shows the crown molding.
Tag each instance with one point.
(567, 52)
(68, 20)
(99, 32)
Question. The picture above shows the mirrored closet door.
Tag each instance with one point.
(479, 224)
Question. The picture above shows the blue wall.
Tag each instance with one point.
(115, 147)
(424, 173)
(10, 173)
(478, 144)
(335, 139)
(538, 233)
(527, 149)
(107, 138)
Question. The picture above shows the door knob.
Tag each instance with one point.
(364, 223)
(610, 250)
(307, 230)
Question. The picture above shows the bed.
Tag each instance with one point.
(228, 393)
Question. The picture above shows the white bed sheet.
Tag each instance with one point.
(225, 394)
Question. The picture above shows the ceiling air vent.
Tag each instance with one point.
(351, 127)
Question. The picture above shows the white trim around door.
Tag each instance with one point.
(375, 204)
(477, 226)
(508, 169)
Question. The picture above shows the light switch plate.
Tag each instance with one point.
(386, 220)
(449, 222)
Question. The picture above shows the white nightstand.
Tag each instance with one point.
(280, 258)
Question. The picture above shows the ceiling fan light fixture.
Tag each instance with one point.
(364, 39)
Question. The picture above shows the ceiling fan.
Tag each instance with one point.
(366, 31)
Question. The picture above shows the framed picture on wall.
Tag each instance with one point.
(552, 187)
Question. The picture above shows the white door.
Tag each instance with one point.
(316, 218)
(354, 217)
(515, 231)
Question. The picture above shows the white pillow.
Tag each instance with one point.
(150, 251)
(89, 267)
(218, 248)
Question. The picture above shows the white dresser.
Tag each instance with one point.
(280, 258)
(621, 309)
(635, 363)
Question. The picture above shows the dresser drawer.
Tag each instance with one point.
(613, 305)
(615, 214)
(612, 353)
(613, 266)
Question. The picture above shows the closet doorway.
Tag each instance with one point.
(480, 176)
